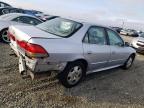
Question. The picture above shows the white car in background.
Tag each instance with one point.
(15, 19)
(138, 43)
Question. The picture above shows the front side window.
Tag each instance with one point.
(114, 38)
(60, 27)
(95, 35)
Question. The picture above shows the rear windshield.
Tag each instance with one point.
(60, 27)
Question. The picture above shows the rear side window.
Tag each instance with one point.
(95, 35)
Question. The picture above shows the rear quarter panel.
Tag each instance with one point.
(60, 50)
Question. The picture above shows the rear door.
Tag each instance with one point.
(118, 50)
(96, 48)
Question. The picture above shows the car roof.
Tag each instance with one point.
(88, 23)
(96, 24)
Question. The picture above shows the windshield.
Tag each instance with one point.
(60, 27)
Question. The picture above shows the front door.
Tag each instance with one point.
(118, 50)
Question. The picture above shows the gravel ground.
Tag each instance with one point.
(107, 89)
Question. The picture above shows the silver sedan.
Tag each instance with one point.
(71, 48)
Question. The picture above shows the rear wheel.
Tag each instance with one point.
(4, 37)
(129, 62)
(72, 74)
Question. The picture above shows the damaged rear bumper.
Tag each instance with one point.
(39, 65)
(36, 65)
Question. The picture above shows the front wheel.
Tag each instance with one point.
(129, 62)
(4, 36)
(72, 74)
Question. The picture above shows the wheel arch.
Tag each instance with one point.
(82, 61)
(3, 29)
(133, 55)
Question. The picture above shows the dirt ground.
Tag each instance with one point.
(112, 88)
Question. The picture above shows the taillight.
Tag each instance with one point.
(11, 36)
(33, 50)
(22, 44)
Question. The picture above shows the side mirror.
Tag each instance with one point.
(127, 44)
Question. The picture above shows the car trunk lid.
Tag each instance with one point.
(25, 33)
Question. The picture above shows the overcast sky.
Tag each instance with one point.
(91, 10)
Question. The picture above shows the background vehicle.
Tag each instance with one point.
(138, 43)
(73, 49)
(140, 33)
(129, 32)
(2, 4)
(8, 10)
(118, 29)
(124, 32)
(32, 12)
(46, 17)
(15, 19)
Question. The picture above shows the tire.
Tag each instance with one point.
(128, 62)
(69, 77)
(3, 36)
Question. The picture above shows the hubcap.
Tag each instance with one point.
(129, 62)
(74, 75)
(5, 37)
